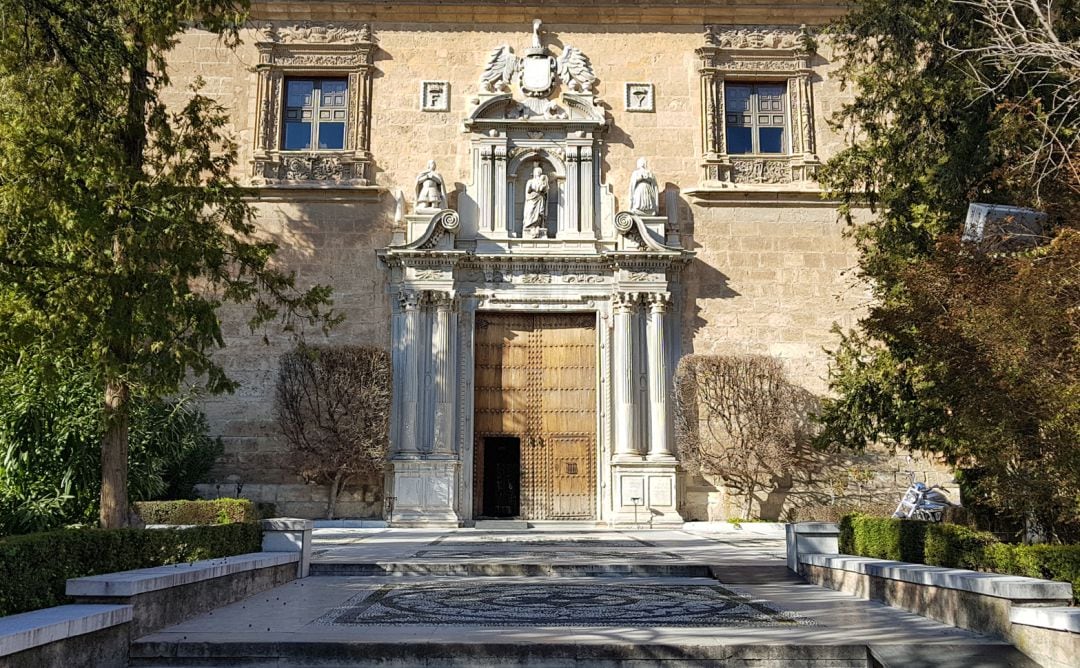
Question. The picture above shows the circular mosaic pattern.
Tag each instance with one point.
(601, 604)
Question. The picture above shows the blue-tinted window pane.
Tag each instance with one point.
(331, 135)
(737, 98)
(299, 93)
(771, 140)
(739, 140)
(297, 136)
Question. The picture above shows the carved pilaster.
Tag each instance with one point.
(501, 206)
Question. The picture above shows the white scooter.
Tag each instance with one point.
(922, 502)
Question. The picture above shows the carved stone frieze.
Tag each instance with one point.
(316, 32)
(758, 37)
(760, 171)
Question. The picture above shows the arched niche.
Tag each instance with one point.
(519, 171)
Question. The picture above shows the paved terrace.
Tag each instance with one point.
(662, 588)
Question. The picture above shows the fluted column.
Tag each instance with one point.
(498, 183)
(442, 351)
(659, 448)
(625, 306)
(485, 195)
(410, 301)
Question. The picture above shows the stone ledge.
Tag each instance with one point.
(1011, 587)
(41, 627)
(1055, 618)
(287, 524)
(133, 583)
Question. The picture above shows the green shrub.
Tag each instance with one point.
(34, 568)
(50, 447)
(216, 511)
(955, 546)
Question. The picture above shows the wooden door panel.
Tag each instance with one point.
(573, 477)
(536, 381)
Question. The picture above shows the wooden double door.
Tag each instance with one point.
(535, 421)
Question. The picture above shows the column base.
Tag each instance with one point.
(423, 492)
(645, 494)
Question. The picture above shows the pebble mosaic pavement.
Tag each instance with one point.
(594, 604)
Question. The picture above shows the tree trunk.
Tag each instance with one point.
(114, 456)
(335, 490)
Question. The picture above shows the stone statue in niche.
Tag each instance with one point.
(534, 220)
(644, 192)
(430, 189)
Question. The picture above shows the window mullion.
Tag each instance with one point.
(316, 101)
(754, 132)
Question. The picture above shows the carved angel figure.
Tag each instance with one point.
(576, 70)
(644, 192)
(501, 66)
(430, 189)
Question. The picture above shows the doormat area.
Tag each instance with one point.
(601, 604)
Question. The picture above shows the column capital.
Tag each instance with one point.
(659, 302)
(443, 301)
(410, 300)
(625, 302)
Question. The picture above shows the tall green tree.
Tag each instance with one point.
(967, 352)
(122, 230)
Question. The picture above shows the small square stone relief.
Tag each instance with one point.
(435, 96)
(640, 97)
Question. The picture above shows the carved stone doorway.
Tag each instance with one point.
(536, 382)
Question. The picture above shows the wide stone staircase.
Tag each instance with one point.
(559, 598)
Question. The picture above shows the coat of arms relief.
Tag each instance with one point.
(537, 71)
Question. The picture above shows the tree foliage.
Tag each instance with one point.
(333, 406)
(122, 230)
(740, 418)
(966, 351)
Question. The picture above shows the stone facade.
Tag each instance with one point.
(743, 255)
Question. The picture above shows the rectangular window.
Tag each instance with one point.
(315, 114)
(756, 118)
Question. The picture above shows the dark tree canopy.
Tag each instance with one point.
(122, 231)
(967, 352)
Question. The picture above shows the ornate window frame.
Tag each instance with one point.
(316, 49)
(757, 54)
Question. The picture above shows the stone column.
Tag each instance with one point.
(445, 378)
(625, 307)
(659, 448)
(410, 415)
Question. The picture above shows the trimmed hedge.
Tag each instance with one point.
(955, 546)
(34, 568)
(215, 511)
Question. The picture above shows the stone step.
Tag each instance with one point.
(317, 654)
(359, 654)
(986, 655)
(501, 525)
(510, 569)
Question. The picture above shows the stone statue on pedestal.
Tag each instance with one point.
(430, 189)
(534, 220)
(644, 192)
